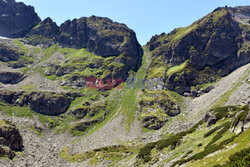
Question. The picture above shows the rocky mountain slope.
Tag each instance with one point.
(199, 54)
(85, 93)
(16, 19)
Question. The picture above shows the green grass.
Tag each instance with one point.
(129, 106)
(49, 52)
(239, 159)
(111, 106)
(239, 142)
(112, 153)
(16, 111)
(181, 32)
(57, 124)
(52, 77)
(177, 98)
(177, 69)
(21, 46)
(157, 72)
(130, 99)
(242, 116)
(173, 141)
(221, 135)
(28, 88)
(25, 57)
(38, 131)
(218, 14)
(224, 128)
(213, 130)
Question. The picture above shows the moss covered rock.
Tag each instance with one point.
(41, 102)
(8, 53)
(10, 139)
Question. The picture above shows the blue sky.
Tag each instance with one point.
(145, 17)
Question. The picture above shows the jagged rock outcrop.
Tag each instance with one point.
(156, 108)
(10, 138)
(11, 77)
(49, 104)
(241, 121)
(201, 53)
(19, 64)
(74, 81)
(16, 19)
(99, 35)
(8, 53)
(41, 102)
(240, 117)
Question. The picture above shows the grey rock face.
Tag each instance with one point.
(10, 136)
(49, 104)
(240, 124)
(213, 47)
(16, 19)
(8, 53)
(99, 35)
(40, 102)
(11, 77)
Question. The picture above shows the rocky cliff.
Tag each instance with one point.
(16, 19)
(45, 103)
(98, 35)
(203, 52)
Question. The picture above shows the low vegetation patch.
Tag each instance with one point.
(239, 159)
(172, 141)
(177, 68)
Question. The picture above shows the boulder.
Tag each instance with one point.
(11, 77)
(46, 103)
(49, 103)
(10, 136)
(151, 122)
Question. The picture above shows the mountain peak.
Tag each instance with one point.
(16, 18)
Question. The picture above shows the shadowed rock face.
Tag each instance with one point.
(99, 35)
(11, 77)
(10, 137)
(40, 102)
(16, 19)
(49, 104)
(8, 53)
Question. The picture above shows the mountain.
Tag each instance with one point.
(99, 35)
(16, 19)
(86, 93)
(210, 48)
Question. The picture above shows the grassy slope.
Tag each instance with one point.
(131, 96)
